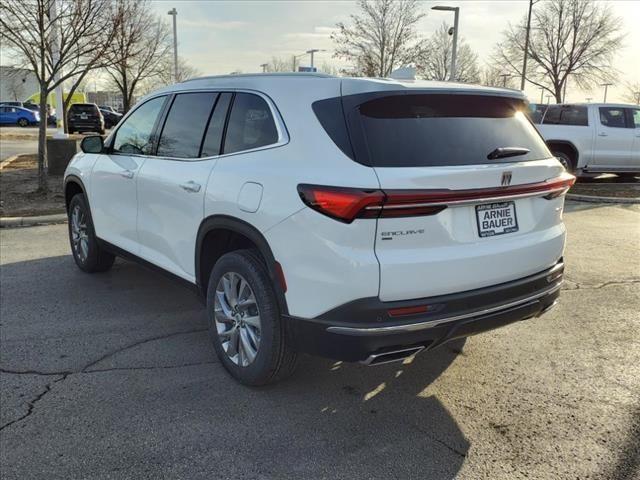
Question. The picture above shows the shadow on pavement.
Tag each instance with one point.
(164, 407)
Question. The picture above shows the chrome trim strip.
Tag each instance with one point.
(467, 202)
(412, 327)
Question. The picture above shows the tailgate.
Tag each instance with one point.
(473, 196)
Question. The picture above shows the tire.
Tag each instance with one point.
(628, 177)
(88, 255)
(565, 160)
(23, 122)
(257, 352)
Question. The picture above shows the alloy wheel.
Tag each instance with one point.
(237, 319)
(79, 235)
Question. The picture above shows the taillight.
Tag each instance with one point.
(347, 204)
(344, 204)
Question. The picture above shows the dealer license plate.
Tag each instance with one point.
(496, 219)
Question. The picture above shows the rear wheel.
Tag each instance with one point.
(86, 252)
(565, 160)
(23, 122)
(245, 325)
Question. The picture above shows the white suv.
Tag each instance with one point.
(357, 219)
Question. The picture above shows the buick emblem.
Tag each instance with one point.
(506, 179)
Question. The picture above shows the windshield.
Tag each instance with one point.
(419, 130)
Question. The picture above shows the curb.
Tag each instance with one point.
(8, 161)
(13, 222)
(593, 199)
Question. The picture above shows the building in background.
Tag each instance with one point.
(110, 99)
(17, 84)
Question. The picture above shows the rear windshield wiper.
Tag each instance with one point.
(503, 152)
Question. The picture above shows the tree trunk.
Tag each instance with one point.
(558, 92)
(42, 141)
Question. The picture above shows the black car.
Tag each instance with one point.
(85, 117)
(111, 118)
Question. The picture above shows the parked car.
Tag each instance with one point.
(358, 219)
(108, 108)
(12, 104)
(111, 118)
(593, 137)
(51, 112)
(22, 117)
(85, 117)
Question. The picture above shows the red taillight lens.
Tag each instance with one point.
(344, 204)
(402, 311)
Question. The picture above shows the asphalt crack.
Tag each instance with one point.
(571, 285)
(32, 403)
(85, 370)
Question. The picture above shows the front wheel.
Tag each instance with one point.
(23, 122)
(86, 251)
(245, 325)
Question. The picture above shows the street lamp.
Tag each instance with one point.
(174, 13)
(264, 67)
(606, 88)
(311, 52)
(456, 11)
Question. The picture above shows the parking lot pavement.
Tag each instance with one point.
(112, 376)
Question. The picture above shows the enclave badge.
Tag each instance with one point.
(506, 179)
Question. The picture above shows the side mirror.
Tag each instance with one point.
(92, 144)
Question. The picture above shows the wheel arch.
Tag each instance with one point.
(221, 234)
(72, 186)
(567, 147)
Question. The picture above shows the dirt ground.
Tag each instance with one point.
(19, 195)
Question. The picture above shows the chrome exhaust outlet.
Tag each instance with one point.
(391, 356)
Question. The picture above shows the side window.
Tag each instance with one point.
(184, 128)
(567, 115)
(552, 117)
(251, 124)
(612, 117)
(134, 135)
(213, 138)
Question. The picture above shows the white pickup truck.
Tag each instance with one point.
(592, 137)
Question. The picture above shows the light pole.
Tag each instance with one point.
(264, 67)
(504, 79)
(606, 88)
(311, 52)
(456, 11)
(174, 13)
(548, 97)
(55, 55)
(541, 94)
(526, 46)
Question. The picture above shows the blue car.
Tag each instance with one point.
(10, 115)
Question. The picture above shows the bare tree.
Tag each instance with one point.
(493, 76)
(15, 83)
(435, 60)
(26, 30)
(165, 75)
(329, 69)
(382, 36)
(568, 38)
(139, 49)
(632, 93)
(278, 64)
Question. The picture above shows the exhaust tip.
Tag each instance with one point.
(392, 356)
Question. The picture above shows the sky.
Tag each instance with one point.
(219, 37)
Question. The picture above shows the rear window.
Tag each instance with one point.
(419, 130)
(82, 108)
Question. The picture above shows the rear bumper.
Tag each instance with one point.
(354, 331)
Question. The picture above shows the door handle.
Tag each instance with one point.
(602, 134)
(127, 173)
(191, 186)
